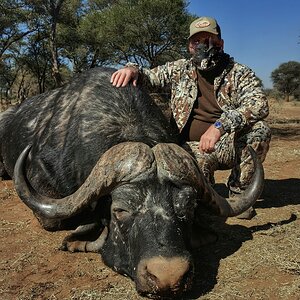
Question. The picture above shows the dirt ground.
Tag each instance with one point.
(255, 259)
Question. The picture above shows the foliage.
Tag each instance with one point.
(147, 32)
(273, 93)
(44, 41)
(48, 15)
(286, 78)
(12, 17)
(297, 94)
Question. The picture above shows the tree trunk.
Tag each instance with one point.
(287, 98)
(94, 60)
(55, 10)
(55, 65)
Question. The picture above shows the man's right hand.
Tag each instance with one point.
(123, 76)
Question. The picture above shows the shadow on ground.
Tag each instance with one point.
(279, 193)
(276, 193)
(207, 260)
(285, 132)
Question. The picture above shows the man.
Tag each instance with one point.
(217, 103)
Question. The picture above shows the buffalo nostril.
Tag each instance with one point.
(160, 274)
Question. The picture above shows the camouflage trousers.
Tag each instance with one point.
(231, 154)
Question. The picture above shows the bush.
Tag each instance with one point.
(274, 93)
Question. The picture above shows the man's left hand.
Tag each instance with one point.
(208, 139)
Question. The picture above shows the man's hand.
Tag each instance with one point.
(208, 139)
(123, 76)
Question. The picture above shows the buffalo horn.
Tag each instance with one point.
(124, 162)
(180, 167)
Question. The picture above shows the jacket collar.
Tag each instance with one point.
(219, 79)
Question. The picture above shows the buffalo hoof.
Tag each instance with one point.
(74, 246)
(84, 239)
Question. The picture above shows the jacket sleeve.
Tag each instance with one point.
(159, 76)
(248, 101)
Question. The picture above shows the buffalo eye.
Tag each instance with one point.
(121, 214)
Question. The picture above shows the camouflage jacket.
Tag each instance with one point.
(237, 91)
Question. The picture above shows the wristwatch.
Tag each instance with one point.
(219, 125)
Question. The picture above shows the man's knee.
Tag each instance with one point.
(260, 132)
(259, 138)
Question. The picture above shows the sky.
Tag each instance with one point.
(261, 34)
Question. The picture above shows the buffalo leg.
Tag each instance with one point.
(86, 238)
(3, 174)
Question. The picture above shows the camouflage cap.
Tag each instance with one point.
(206, 24)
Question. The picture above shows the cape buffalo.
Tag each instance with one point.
(105, 162)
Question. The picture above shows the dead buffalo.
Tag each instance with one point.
(104, 161)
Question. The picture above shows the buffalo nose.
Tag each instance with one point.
(163, 275)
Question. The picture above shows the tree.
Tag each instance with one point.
(85, 44)
(13, 16)
(37, 59)
(146, 32)
(42, 40)
(286, 78)
(48, 15)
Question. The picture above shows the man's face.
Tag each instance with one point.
(203, 38)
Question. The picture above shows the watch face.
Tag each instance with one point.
(218, 124)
